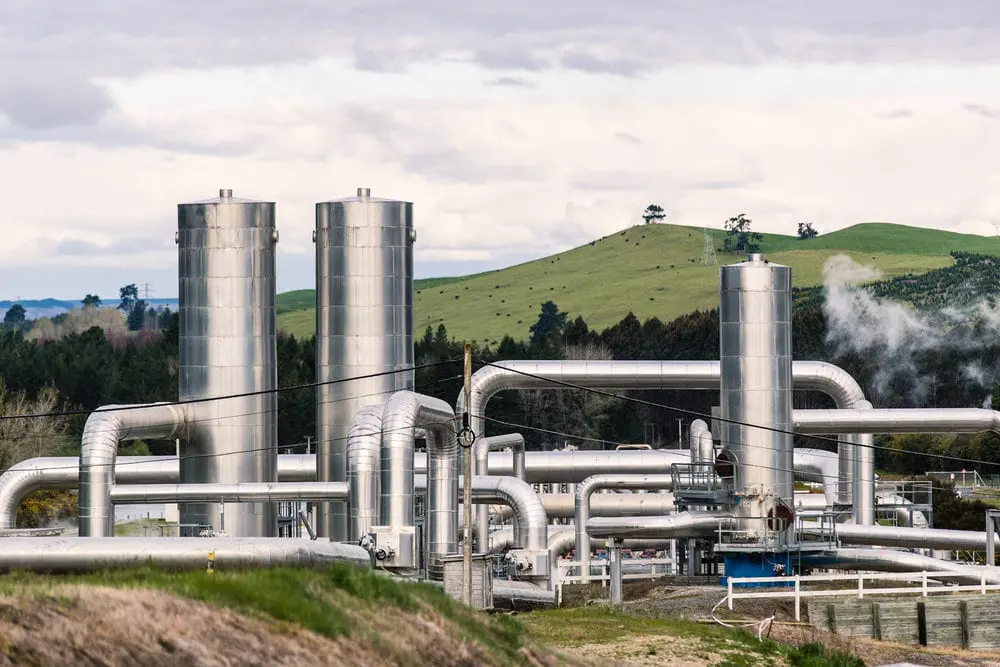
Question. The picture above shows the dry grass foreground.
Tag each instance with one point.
(44, 621)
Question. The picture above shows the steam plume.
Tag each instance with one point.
(894, 336)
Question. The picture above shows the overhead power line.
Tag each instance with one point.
(307, 385)
(696, 413)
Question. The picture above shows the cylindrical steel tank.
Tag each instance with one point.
(364, 324)
(755, 318)
(227, 348)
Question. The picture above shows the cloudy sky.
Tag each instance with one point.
(518, 128)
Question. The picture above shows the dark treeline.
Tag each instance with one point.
(971, 279)
(89, 370)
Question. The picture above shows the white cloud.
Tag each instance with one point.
(516, 129)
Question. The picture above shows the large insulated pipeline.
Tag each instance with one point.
(69, 554)
(887, 560)
(901, 420)
(481, 449)
(908, 537)
(244, 492)
(364, 466)
(404, 411)
(898, 420)
(694, 375)
(562, 540)
(63, 472)
(595, 483)
(531, 523)
(522, 591)
(555, 467)
(104, 431)
(671, 526)
(563, 505)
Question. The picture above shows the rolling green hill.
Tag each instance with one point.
(652, 270)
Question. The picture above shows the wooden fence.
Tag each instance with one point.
(949, 620)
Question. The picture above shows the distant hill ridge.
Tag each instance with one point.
(652, 270)
(38, 308)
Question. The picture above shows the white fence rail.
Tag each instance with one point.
(927, 580)
(658, 567)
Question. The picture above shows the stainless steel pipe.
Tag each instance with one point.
(404, 411)
(582, 509)
(104, 431)
(248, 492)
(74, 554)
(672, 526)
(694, 375)
(364, 469)
(481, 449)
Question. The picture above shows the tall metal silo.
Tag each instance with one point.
(228, 347)
(364, 323)
(755, 317)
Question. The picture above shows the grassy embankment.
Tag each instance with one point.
(334, 615)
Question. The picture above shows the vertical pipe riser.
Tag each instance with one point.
(364, 323)
(228, 329)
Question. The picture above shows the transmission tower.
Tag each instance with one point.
(708, 255)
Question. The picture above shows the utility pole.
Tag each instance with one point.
(469, 437)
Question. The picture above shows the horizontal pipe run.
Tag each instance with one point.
(74, 554)
(522, 591)
(672, 526)
(561, 505)
(896, 420)
(887, 560)
(908, 538)
(249, 492)
(63, 472)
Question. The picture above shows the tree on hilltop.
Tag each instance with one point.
(653, 213)
(739, 237)
(806, 231)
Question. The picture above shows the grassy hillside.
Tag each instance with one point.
(652, 270)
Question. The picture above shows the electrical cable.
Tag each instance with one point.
(198, 420)
(307, 385)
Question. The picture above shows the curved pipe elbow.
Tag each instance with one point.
(28, 476)
(829, 379)
(405, 411)
(528, 508)
(105, 429)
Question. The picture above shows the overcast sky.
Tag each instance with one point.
(517, 128)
